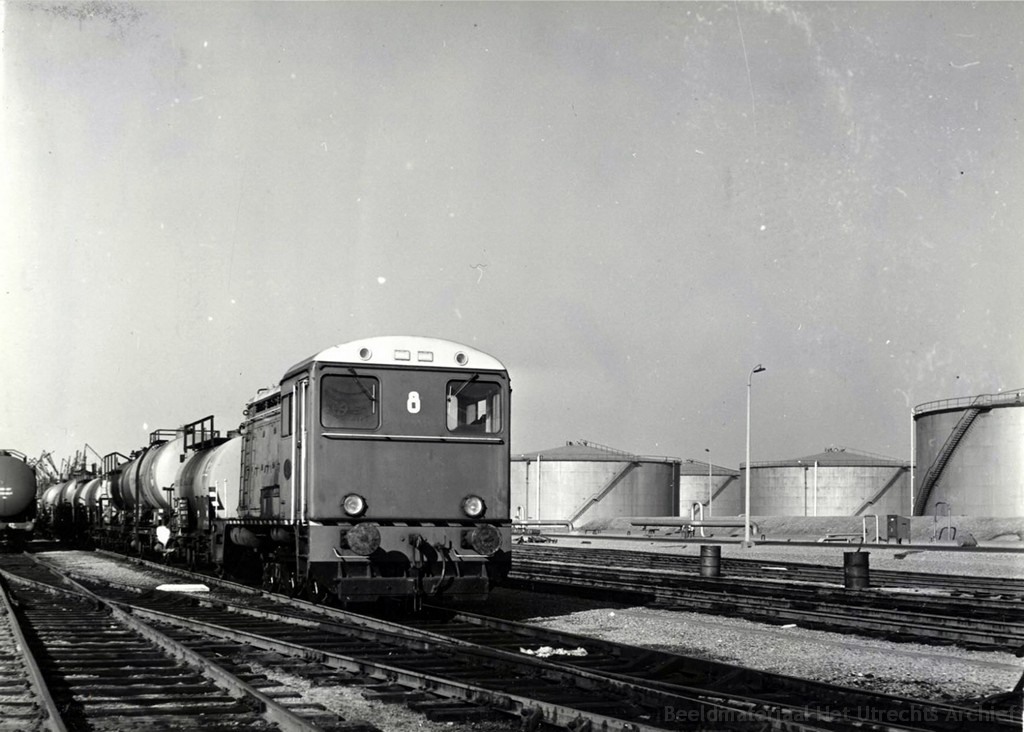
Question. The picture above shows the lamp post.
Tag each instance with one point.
(746, 492)
(711, 495)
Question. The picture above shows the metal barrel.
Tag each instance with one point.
(710, 561)
(855, 570)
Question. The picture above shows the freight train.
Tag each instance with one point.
(17, 498)
(378, 468)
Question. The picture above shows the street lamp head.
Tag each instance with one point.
(758, 369)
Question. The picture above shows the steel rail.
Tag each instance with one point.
(271, 710)
(48, 709)
(955, 605)
(780, 607)
(952, 583)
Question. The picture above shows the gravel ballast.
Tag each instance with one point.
(904, 669)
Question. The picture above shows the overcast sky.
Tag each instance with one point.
(629, 204)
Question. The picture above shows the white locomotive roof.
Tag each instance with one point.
(405, 350)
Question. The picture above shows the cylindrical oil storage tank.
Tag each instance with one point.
(583, 481)
(706, 484)
(17, 485)
(836, 482)
(968, 455)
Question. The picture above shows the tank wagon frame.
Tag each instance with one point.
(375, 469)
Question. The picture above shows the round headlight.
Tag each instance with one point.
(473, 506)
(354, 504)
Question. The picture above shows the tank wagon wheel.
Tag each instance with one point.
(316, 592)
(272, 581)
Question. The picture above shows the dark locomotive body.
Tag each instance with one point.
(17, 497)
(375, 469)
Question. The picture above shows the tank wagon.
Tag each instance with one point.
(60, 513)
(377, 468)
(17, 496)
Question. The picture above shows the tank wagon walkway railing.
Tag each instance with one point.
(974, 407)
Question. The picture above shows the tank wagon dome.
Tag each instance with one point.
(583, 481)
(403, 351)
(968, 457)
(838, 481)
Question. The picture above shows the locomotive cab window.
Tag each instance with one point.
(286, 415)
(474, 406)
(349, 401)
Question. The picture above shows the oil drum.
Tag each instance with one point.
(855, 570)
(710, 561)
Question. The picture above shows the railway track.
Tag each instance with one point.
(953, 585)
(469, 665)
(981, 624)
(107, 671)
(25, 699)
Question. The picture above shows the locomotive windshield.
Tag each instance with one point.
(474, 406)
(349, 401)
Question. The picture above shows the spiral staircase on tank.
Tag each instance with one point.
(931, 478)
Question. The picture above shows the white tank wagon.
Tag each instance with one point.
(583, 481)
(718, 490)
(142, 479)
(96, 495)
(836, 482)
(208, 481)
(968, 456)
(84, 489)
(51, 496)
